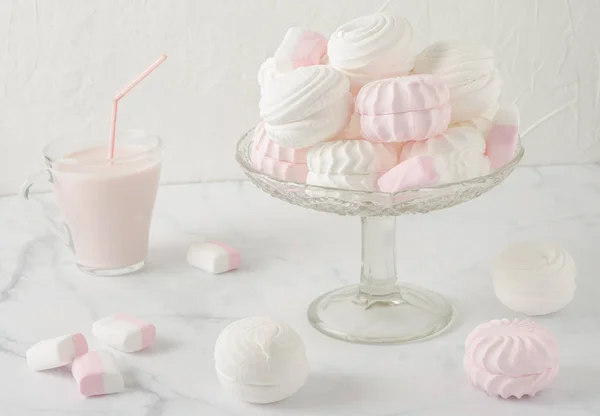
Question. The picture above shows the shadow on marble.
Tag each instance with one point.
(59, 373)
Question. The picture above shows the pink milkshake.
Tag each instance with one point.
(106, 205)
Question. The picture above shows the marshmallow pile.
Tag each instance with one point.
(95, 372)
(361, 111)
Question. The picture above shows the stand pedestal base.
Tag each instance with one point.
(409, 314)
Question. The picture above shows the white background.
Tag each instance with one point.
(62, 60)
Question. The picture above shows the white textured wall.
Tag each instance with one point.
(62, 60)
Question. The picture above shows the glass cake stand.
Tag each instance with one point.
(378, 309)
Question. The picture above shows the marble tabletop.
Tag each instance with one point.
(291, 255)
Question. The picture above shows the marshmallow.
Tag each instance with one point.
(285, 171)
(213, 257)
(349, 164)
(416, 172)
(534, 278)
(481, 123)
(260, 360)
(454, 156)
(267, 73)
(352, 130)
(503, 137)
(269, 148)
(511, 358)
(299, 47)
(403, 109)
(458, 154)
(469, 73)
(351, 157)
(124, 332)
(96, 373)
(56, 352)
(351, 182)
(281, 163)
(372, 47)
(306, 106)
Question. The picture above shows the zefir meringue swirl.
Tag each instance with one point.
(534, 278)
(535, 257)
(372, 47)
(306, 106)
(514, 348)
(511, 358)
(260, 360)
(470, 74)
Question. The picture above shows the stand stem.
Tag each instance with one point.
(378, 275)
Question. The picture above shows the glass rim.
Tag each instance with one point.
(153, 145)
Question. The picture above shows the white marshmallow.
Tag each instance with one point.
(470, 74)
(372, 47)
(534, 278)
(309, 105)
(97, 373)
(56, 352)
(260, 360)
(351, 157)
(124, 332)
(214, 257)
(364, 182)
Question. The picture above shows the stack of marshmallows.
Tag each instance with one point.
(360, 111)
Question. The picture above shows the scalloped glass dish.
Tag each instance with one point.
(378, 309)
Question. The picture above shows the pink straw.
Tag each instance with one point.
(121, 94)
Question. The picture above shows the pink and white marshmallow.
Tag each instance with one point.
(454, 156)
(503, 137)
(511, 358)
(214, 257)
(416, 107)
(300, 47)
(97, 373)
(56, 352)
(282, 163)
(124, 332)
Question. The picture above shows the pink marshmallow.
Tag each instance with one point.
(416, 172)
(285, 171)
(300, 47)
(96, 373)
(403, 109)
(281, 163)
(503, 137)
(511, 358)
